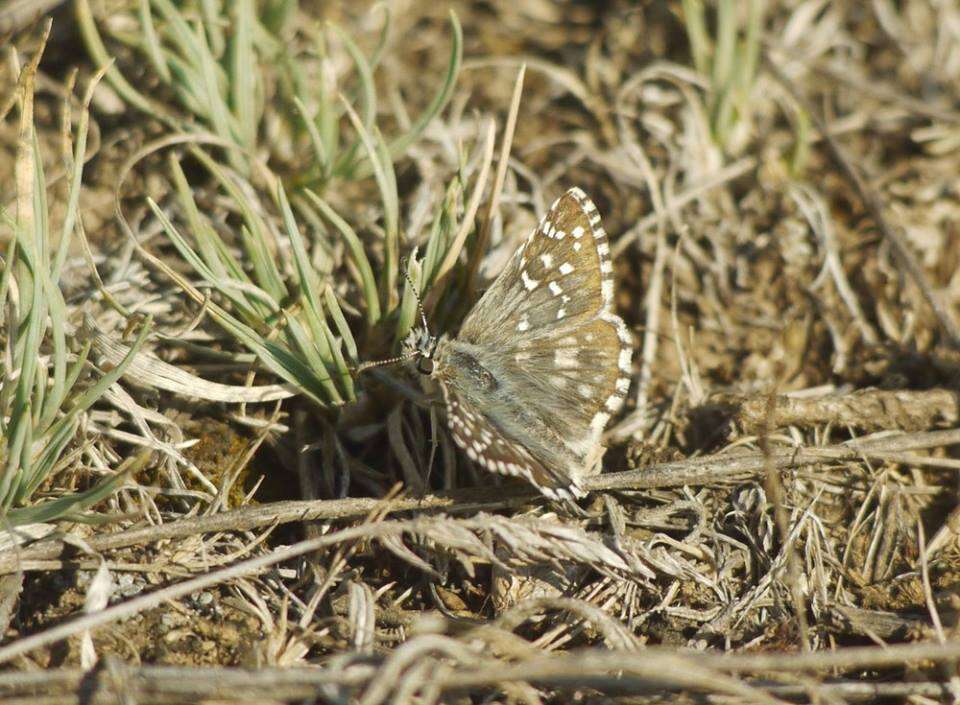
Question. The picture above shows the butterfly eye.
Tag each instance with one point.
(425, 366)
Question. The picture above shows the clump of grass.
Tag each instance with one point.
(728, 58)
(42, 395)
(222, 63)
(290, 268)
(280, 307)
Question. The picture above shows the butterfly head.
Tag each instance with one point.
(421, 345)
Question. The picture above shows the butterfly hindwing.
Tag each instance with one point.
(478, 436)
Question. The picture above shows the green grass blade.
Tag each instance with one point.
(381, 44)
(97, 50)
(62, 431)
(368, 94)
(335, 344)
(151, 42)
(212, 25)
(409, 314)
(357, 253)
(223, 122)
(75, 168)
(386, 182)
(63, 506)
(316, 141)
(195, 222)
(340, 321)
(222, 284)
(264, 265)
(320, 351)
(313, 351)
(438, 242)
(400, 144)
(245, 71)
(694, 20)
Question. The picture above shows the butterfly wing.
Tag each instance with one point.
(486, 444)
(546, 333)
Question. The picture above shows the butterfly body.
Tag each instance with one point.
(542, 361)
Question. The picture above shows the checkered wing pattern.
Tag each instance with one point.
(486, 444)
(542, 361)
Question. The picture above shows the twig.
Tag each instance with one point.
(480, 248)
(659, 665)
(697, 471)
(194, 683)
(868, 409)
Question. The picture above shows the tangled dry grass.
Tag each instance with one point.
(778, 517)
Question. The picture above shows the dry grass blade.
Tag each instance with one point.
(148, 370)
(469, 216)
(502, 164)
(874, 206)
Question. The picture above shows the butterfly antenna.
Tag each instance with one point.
(416, 294)
(363, 367)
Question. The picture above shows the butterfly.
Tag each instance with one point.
(542, 362)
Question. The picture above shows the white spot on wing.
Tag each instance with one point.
(566, 268)
(528, 283)
(547, 260)
(561, 313)
(555, 289)
(577, 232)
(565, 358)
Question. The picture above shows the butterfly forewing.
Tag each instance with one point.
(542, 362)
(554, 278)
